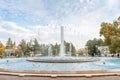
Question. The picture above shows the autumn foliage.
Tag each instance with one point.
(2, 48)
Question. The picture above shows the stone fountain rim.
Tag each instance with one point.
(62, 61)
(88, 73)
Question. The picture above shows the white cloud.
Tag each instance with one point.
(83, 27)
(81, 1)
(21, 5)
(27, 9)
(112, 3)
(16, 32)
(81, 21)
(46, 34)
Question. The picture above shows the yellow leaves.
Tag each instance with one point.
(2, 48)
(106, 28)
(111, 33)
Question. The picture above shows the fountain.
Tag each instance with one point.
(61, 58)
(59, 66)
(62, 50)
(50, 51)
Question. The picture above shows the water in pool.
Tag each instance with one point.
(22, 64)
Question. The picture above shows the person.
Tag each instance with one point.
(118, 55)
(112, 55)
(0, 56)
(103, 62)
(7, 61)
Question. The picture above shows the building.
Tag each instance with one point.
(104, 50)
(9, 52)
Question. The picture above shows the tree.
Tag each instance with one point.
(111, 33)
(55, 49)
(36, 46)
(29, 48)
(115, 46)
(23, 46)
(67, 48)
(43, 49)
(106, 30)
(92, 46)
(9, 44)
(73, 50)
(18, 51)
(2, 48)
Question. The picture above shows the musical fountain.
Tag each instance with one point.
(62, 58)
(61, 65)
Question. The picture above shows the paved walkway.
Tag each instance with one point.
(64, 75)
(8, 77)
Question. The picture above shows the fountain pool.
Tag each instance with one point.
(60, 63)
(20, 64)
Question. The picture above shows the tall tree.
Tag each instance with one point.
(111, 33)
(9, 44)
(92, 46)
(55, 49)
(29, 48)
(36, 46)
(23, 46)
(115, 46)
(68, 46)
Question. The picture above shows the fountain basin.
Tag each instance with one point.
(62, 60)
(21, 64)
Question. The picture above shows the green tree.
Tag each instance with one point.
(92, 46)
(36, 46)
(23, 46)
(106, 30)
(115, 46)
(29, 48)
(67, 48)
(73, 50)
(55, 49)
(111, 33)
(9, 44)
(43, 49)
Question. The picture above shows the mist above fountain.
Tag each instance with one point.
(61, 58)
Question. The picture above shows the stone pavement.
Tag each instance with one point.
(8, 77)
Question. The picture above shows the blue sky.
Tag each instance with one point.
(42, 18)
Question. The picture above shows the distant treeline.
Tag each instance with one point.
(25, 48)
